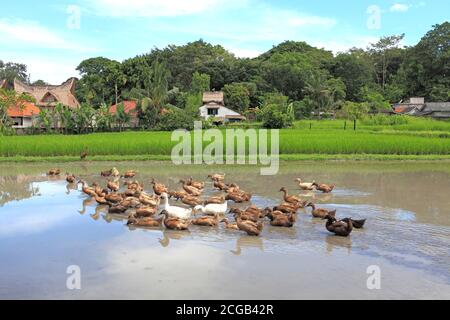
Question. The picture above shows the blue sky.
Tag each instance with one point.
(52, 37)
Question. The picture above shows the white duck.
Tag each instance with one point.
(174, 211)
(305, 185)
(212, 208)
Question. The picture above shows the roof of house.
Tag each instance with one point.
(129, 106)
(213, 96)
(26, 109)
(64, 93)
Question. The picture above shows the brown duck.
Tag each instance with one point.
(283, 220)
(252, 228)
(129, 174)
(114, 197)
(174, 223)
(54, 172)
(206, 221)
(214, 200)
(113, 186)
(340, 228)
(117, 209)
(325, 188)
(217, 176)
(106, 173)
(70, 178)
(191, 189)
(229, 225)
(290, 198)
(145, 211)
(197, 184)
(159, 188)
(145, 222)
(357, 224)
(191, 200)
(238, 213)
(86, 189)
(320, 212)
(289, 207)
(177, 194)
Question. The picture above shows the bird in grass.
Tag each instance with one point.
(84, 154)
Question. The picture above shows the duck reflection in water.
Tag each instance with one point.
(98, 210)
(172, 235)
(71, 187)
(248, 242)
(86, 202)
(340, 242)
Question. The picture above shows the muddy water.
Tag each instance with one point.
(46, 226)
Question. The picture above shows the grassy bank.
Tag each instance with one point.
(408, 139)
(292, 141)
(283, 157)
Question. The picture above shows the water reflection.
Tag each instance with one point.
(338, 242)
(407, 228)
(243, 242)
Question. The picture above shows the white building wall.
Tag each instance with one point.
(223, 111)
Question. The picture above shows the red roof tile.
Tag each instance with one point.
(129, 106)
(27, 109)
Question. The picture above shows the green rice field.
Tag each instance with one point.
(327, 140)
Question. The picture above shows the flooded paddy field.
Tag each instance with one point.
(47, 225)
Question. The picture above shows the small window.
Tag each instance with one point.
(213, 112)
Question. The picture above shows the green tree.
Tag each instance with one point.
(10, 70)
(236, 96)
(355, 70)
(122, 117)
(383, 53)
(201, 82)
(9, 98)
(354, 111)
(427, 65)
(326, 94)
(273, 118)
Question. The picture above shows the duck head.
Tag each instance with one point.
(283, 189)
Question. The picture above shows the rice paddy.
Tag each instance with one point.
(327, 140)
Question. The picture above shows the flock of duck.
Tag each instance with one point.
(126, 197)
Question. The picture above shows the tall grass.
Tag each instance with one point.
(292, 141)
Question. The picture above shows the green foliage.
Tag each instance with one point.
(10, 70)
(384, 120)
(175, 119)
(273, 118)
(201, 82)
(122, 117)
(237, 97)
(354, 110)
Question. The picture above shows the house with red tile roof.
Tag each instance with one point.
(23, 115)
(130, 107)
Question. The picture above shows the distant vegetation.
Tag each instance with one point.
(291, 81)
(312, 138)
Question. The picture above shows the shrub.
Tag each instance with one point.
(384, 120)
(273, 118)
(175, 119)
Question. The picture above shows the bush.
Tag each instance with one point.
(272, 118)
(175, 119)
(384, 120)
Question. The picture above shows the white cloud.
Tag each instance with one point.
(51, 68)
(399, 7)
(244, 52)
(32, 34)
(157, 8)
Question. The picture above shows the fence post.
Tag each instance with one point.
(345, 125)
(354, 124)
